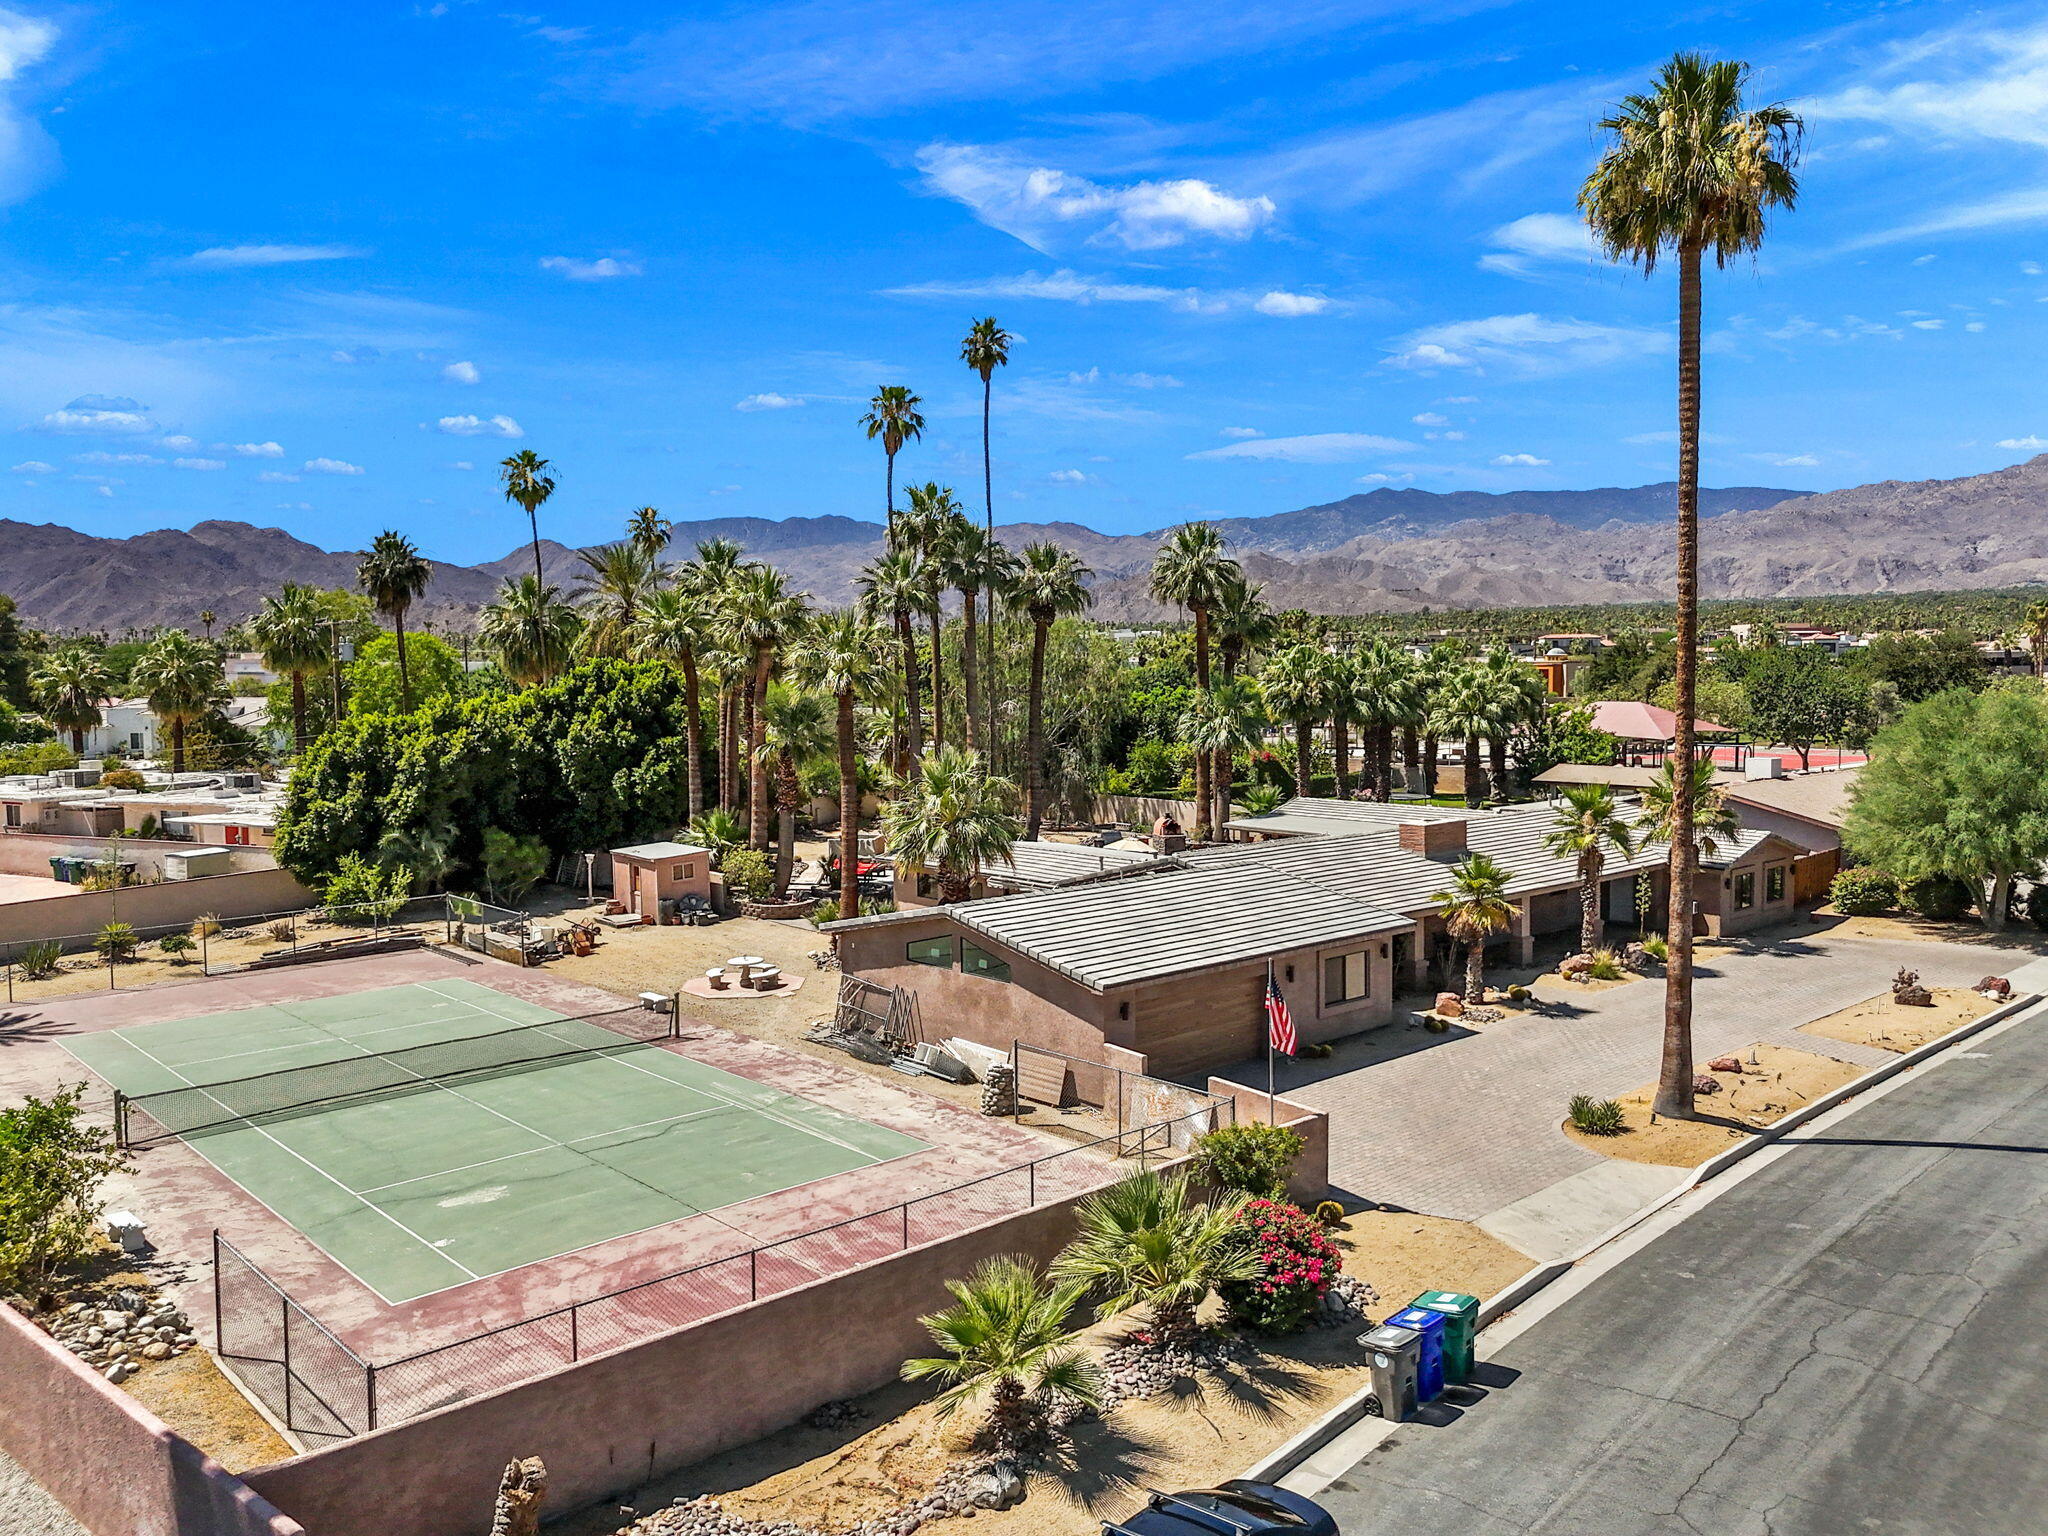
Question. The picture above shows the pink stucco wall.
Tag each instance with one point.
(120, 1470)
(1310, 1180)
(151, 908)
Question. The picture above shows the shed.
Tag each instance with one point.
(647, 874)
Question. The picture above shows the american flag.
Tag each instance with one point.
(1279, 1025)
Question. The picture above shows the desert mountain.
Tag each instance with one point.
(1386, 549)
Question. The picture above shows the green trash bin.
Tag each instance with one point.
(1461, 1322)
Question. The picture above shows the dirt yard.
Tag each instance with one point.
(2020, 937)
(1774, 1081)
(895, 1447)
(1890, 1026)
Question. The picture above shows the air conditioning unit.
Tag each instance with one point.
(245, 781)
(77, 778)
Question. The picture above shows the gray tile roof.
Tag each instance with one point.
(1157, 924)
(1317, 816)
(1040, 865)
(1821, 798)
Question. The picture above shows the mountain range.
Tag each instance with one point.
(1387, 549)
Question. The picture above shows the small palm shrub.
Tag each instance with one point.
(1009, 1340)
(1596, 1117)
(720, 831)
(177, 946)
(1294, 1263)
(1251, 1158)
(1261, 800)
(41, 959)
(748, 874)
(1863, 892)
(1606, 966)
(1942, 898)
(117, 941)
(1147, 1242)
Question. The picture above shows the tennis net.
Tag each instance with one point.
(144, 1118)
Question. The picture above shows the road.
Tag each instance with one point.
(1853, 1341)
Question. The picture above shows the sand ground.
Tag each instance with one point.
(1890, 1026)
(1773, 1082)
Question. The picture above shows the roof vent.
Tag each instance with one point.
(1433, 839)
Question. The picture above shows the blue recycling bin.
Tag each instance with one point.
(1429, 1365)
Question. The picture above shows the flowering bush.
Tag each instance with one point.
(1295, 1263)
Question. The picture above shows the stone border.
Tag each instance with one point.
(778, 911)
(1279, 1462)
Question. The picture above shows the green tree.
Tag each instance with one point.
(1690, 169)
(1008, 1339)
(1147, 1241)
(1475, 907)
(292, 635)
(842, 657)
(617, 581)
(1955, 788)
(1564, 733)
(1051, 583)
(893, 417)
(986, 348)
(180, 679)
(649, 531)
(895, 584)
(1296, 683)
(1221, 722)
(674, 625)
(932, 525)
(19, 649)
(529, 485)
(434, 671)
(52, 1164)
(976, 564)
(762, 617)
(954, 818)
(1192, 571)
(513, 865)
(69, 687)
(1466, 706)
(1920, 666)
(1799, 695)
(529, 630)
(395, 577)
(1589, 824)
(796, 729)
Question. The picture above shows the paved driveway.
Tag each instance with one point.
(1847, 1343)
(1463, 1124)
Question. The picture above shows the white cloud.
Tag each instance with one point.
(27, 155)
(1459, 400)
(128, 459)
(295, 506)
(1974, 325)
(479, 426)
(1290, 305)
(461, 373)
(2031, 268)
(1240, 432)
(199, 463)
(1537, 238)
(100, 413)
(1526, 344)
(1043, 207)
(1785, 460)
(276, 477)
(1430, 419)
(178, 443)
(222, 256)
(1377, 479)
(578, 269)
(1444, 437)
(724, 490)
(257, 450)
(1927, 325)
(332, 467)
(1070, 477)
(1315, 448)
(769, 401)
(462, 464)
(1519, 460)
(1064, 285)
(104, 490)
(33, 467)
(2031, 443)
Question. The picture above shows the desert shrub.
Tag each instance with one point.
(1658, 948)
(1606, 966)
(1295, 1263)
(1863, 892)
(177, 946)
(205, 926)
(513, 865)
(749, 874)
(1940, 897)
(51, 1165)
(361, 892)
(1329, 1212)
(283, 931)
(1596, 1117)
(1251, 1158)
(122, 778)
(40, 959)
(117, 941)
(2037, 904)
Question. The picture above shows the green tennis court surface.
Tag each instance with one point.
(416, 1184)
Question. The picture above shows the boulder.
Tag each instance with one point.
(1725, 1064)
(1449, 1005)
(1575, 967)
(1995, 986)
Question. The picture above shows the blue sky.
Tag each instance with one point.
(320, 266)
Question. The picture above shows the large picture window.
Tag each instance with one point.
(976, 961)
(937, 952)
(1774, 883)
(1745, 890)
(1346, 978)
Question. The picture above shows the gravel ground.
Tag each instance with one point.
(25, 1510)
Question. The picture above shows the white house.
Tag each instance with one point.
(127, 728)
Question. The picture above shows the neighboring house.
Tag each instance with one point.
(247, 667)
(1033, 866)
(1805, 808)
(127, 728)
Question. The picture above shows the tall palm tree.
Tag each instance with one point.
(1443, 663)
(1589, 823)
(293, 637)
(985, 349)
(1466, 707)
(673, 625)
(1388, 694)
(1689, 169)
(1009, 1338)
(1519, 700)
(1296, 683)
(1051, 583)
(795, 729)
(764, 617)
(1221, 722)
(2035, 626)
(616, 582)
(1147, 1241)
(1242, 622)
(1192, 571)
(395, 577)
(1475, 907)
(932, 526)
(895, 585)
(69, 688)
(529, 630)
(207, 619)
(954, 818)
(842, 657)
(975, 563)
(893, 417)
(180, 679)
(528, 484)
(648, 531)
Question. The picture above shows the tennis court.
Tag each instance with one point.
(439, 1132)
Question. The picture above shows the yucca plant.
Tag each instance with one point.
(117, 941)
(1595, 1117)
(41, 959)
(1147, 1242)
(1007, 1340)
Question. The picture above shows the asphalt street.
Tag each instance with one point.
(1853, 1341)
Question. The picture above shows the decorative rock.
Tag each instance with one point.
(999, 1090)
(1994, 986)
(1449, 1005)
(1706, 1083)
(1725, 1064)
(1483, 1015)
(157, 1351)
(119, 1372)
(1345, 1304)
(1576, 967)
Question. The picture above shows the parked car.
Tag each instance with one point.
(1237, 1508)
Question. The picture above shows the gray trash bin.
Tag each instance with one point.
(1394, 1354)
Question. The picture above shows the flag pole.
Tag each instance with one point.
(1272, 1105)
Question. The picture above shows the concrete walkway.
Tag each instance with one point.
(1465, 1124)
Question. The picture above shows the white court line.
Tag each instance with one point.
(712, 1093)
(367, 1205)
(529, 1152)
(324, 1034)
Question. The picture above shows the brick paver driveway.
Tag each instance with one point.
(1462, 1124)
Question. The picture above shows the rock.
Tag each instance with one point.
(997, 1487)
(1994, 986)
(1704, 1083)
(158, 1351)
(114, 1322)
(1725, 1064)
(1913, 997)
(1575, 967)
(119, 1372)
(1483, 1015)
(1449, 1005)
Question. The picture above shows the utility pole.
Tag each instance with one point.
(334, 664)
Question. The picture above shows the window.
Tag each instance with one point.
(937, 952)
(135, 741)
(1346, 978)
(1745, 890)
(1774, 883)
(976, 961)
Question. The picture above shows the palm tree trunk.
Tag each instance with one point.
(1590, 925)
(1383, 762)
(177, 744)
(1497, 751)
(988, 501)
(849, 812)
(299, 711)
(789, 790)
(77, 742)
(1674, 1078)
(913, 722)
(728, 798)
(404, 673)
(1411, 760)
(533, 518)
(1202, 647)
(1304, 757)
(1475, 774)
(757, 779)
(1034, 729)
(938, 681)
(693, 733)
(1430, 748)
(889, 457)
(1340, 746)
(1200, 830)
(1475, 972)
(970, 671)
(1220, 778)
